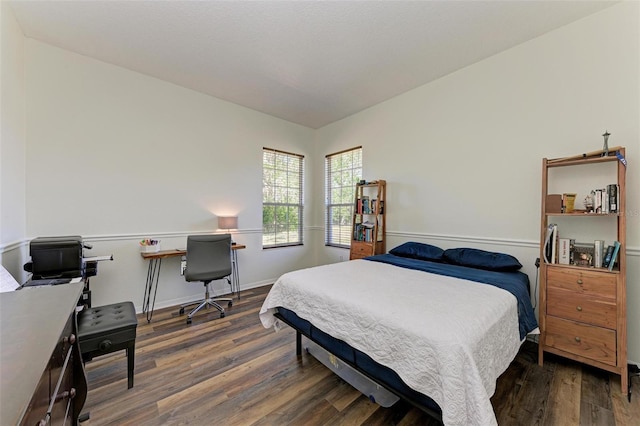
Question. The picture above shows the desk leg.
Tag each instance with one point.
(153, 275)
(236, 277)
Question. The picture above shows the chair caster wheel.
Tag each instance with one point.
(188, 320)
(230, 304)
(181, 311)
(221, 314)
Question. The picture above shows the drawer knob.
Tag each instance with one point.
(579, 281)
(579, 308)
(578, 339)
(71, 339)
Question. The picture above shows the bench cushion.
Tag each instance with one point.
(116, 322)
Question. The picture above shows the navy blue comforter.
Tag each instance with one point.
(516, 283)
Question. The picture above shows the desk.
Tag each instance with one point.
(43, 378)
(153, 274)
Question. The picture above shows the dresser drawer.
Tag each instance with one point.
(596, 343)
(580, 307)
(595, 283)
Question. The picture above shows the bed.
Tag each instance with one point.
(436, 327)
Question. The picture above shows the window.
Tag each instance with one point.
(282, 176)
(343, 171)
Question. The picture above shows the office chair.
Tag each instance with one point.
(208, 259)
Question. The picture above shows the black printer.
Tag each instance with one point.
(58, 257)
(57, 260)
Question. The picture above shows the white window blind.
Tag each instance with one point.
(342, 171)
(282, 198)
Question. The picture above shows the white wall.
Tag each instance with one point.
(115, 156)
(462, 156)
(12, 144)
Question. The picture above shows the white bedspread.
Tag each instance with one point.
(447, 338)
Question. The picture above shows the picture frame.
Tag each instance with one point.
(583, 255)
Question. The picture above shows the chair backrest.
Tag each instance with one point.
(208, 257)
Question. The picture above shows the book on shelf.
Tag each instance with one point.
(614, 255)
(598, 248)
(605, 200)
(554, 245)
(597, 201)
(607, 256)
(564, 251)
(572, 254)
(363, 206)
(363, 232)
(377, 204)
(612, 194)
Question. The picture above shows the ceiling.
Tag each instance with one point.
(308, 62)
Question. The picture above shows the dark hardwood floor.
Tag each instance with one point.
(232, 371)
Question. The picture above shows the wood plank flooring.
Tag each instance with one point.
(232, 371)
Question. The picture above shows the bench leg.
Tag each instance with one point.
(131, 350)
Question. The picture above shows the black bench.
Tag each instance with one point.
(106, 329)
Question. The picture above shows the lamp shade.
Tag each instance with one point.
(228, 222)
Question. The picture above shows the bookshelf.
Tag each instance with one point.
(369, 220)
(583, 307)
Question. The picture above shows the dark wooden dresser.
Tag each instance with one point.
(42, 379)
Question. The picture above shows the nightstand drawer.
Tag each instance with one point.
(358, 256)
(361, 249)
(578, 307)
(600, 284)
(595, 343)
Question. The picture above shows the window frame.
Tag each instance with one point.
(290, 186)
(333, 184)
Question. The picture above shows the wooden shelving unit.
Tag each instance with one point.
(369, 220)
(583, 309)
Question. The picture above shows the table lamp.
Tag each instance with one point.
(228, 222)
